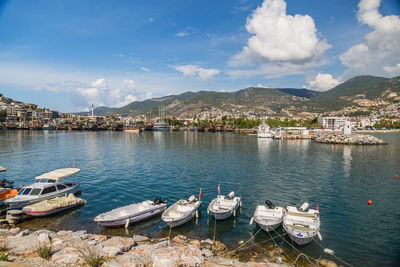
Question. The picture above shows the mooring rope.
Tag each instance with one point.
(336, 257)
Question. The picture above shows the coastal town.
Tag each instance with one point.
(373, 115)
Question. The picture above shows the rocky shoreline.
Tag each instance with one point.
(353, 139)
(67, 248)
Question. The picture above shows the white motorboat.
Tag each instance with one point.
(302, 224)
(223, 207)
(54, 205)
(161, 126)
(2, 169)
(47, 186)
(182, 211)
(264, 130)
(132, 213)
(268, 217)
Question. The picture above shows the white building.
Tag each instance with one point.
(333, 123)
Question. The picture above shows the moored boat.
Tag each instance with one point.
(7, 193)
(2, 169)
(51, 206)
(264, 130)
(182, 211)
(132, 213)
(47, 186)
(302, 224)
(223, 207)
(268, 216)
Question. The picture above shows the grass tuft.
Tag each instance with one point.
(44, 251)
(92, 257)
(4, 257)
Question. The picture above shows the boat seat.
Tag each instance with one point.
(307, 215)
(300, 227)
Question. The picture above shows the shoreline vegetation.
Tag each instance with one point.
(68, 248)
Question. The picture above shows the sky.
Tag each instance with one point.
(67, 55)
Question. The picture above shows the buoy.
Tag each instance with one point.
(208, 211)
(251, 220)
(197, 214)
(319, 236)
(370, 202)
(395, 177)
(329, 251)
(234, 213)
(127, 223)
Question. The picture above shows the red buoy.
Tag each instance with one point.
(370, 202)
(395, 177)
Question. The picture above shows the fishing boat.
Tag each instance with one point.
(182, 211)
(223, 207)
(132, 213)
(51, 206)
(302, 224)
(47, 186)
(268, 216)
(264, 130)
(2, 169)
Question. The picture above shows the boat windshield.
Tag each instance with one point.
(21, 191)
(36, 191)
(43, 181)
(51, 181)
(27, 190)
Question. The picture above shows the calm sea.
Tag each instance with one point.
(119, 168)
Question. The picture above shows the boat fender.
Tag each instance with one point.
(208, 211)
(234, 213)
(319, 236)
(251, 220)
(329, 251)
(127, 223)
(304, 207)
(197, 214)
(240, 203)
(231, 195)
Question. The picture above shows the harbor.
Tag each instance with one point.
(138, 170)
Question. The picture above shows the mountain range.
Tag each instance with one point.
(261, 101)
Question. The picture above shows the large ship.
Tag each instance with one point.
(264, 130)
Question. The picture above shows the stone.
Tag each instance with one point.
(125, 260)
(23, 233)
(327, 263)
(177, 239)
(111, 251)
(63, 232)
(4, 232)
(21, 245)
(15, 230)
(82, 235)
(165, 257)
(68, 256)
(44, 238)
(207, 241)
(206, 253)
(195, 242)
(122, 243)
(140, 238)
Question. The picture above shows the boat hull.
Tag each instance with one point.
(268, 227)
(23, 203)
(298, 238)
(176, 223)
(49, 212)
(133, 219)
(218, 215)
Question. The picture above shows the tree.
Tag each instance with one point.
(3, 116)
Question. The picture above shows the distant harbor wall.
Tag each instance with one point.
(353, 139)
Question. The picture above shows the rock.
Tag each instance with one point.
(178, 239)
(82, 235)
(207, 241)
(111, 251)
(44, 238)
(327, 263)
(15, 230)
(23, 233)
(206, 253)
(68, 256)
(63, 232)
(24, 244)
(126, 260)
(122, 243)
(99, 238)
(195, 242)
(165, 257)
(4, 232)
(140, 238)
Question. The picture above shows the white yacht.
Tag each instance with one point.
(161, 126)
(47, 186)
(264, 130)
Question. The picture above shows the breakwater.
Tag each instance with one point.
(353, 139)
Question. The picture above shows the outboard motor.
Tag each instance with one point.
(304, 207)
(231, 195)
(158, 200)
(269, 204)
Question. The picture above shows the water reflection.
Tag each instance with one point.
(347, 160)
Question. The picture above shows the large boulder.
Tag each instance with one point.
(68, 256)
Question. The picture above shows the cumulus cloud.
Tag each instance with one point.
(278, 37)
(182, 34)
(130, 84)
(145, 69)
(128, 99)
(322, 82)
(379, 53)
(194, 70)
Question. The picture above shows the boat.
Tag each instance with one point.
(268, 216)
(7, 193)
(48, 127)
(2, 169)
(47, 186)
(132, 213)
(264, 130)
(131, 129)
(302, 224)
(54, 205)
(161, 126)
(182, 211)
(223, 207)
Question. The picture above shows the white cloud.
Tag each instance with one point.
(130, 84)
(128, 99)
(99, 83)
(278, 37)
(322, 82)
(149, 95)
(379, 53)
(194, 70)
(182, 34)
(150, 20)
(262, 85)
(145, 69)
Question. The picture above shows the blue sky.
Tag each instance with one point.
(67, 55)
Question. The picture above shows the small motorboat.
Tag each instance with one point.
(223, 207)
(7, 193)
(47, 186)
(51, 206)
(268, 216)
(182, 211)
(302, 224)
(2, 169)
(132, 213)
